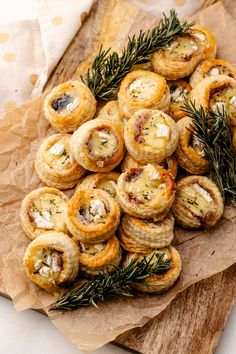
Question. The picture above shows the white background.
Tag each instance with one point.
(29, 332)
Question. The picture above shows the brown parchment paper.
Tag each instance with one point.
(203, 253)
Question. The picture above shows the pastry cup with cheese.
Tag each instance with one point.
(54, 163)
(212, 68)
(69, 105)
(98, 145)
(137, 234)
(207, 40)
(150, 136)
(100, 257)
(166, 278)
(169, 164)
(190, 150)
(198, 202)
(52, 260)
(143, 89)
(42, 210)
(106, 181)
(146, 192)
(179, 93)
(111, 112)
(92, 216)
(217, 93)
(179, 58)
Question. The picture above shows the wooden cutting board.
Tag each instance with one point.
(193, 322)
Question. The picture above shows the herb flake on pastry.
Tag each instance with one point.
(92, 216)
(42, 210)
(98, 145)
(54, 163)
(100, 257)
(69, 105)
(150, 136)
(52, 260)
(146, 192)
(142, 89)
(179, 93)
(163, 281)
(198, 202)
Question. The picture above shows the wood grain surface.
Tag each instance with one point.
(193, 322)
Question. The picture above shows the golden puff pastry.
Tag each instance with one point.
(198, 202)
(52, 260)
(98, 145)
(69, 105)
(164, 280)
(105, 181)
(148, 233)
(100, 257)
(213, 67)
(190, 150)
(92, 216)
(143, 89)
(150, 136)
(131, 245)
(169, 164)
(207, 40)
(179, 93)
(42, 210)
(54, 163)
(217, 93)
(146, 192)
(179, 58)
(111, 112)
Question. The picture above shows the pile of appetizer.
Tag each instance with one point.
(122, 162)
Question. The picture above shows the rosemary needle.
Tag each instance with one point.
(109, 69)
(119, 282)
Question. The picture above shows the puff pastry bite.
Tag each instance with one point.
(179, 93)
(92, 215)
(213, 67)
(98, 145)
(217, 93)
(42, 210)
(105, 181)
(207, 40)
(169, 164)
(179, 58)
(69, 105)
(190, 150)
(146, 192)
(150, 136)
(143, 89)
(111, 112)
(51, 260)
(147, 234)
(100, 257)
(55, 165)
(198, 202)
(161, 282)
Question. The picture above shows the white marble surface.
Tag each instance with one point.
(29, 332)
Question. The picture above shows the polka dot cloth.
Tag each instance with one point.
(29, 50)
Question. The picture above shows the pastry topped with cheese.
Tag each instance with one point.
(150, 136)
(179, 93)
(142, 89)
(179, 58)
(146, 192)
(207, 40)
(198, 202)
(213, 67)
(54, 163)
(69, 105)
(98, 145)
(42, 210)
(52, 260)
(111, 112)
(92, 215)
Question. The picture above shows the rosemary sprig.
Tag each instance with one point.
(215, 132)
(109, 69)
(118, 282)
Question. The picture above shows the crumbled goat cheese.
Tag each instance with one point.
(44, 220)
(214, 72)
(104, 137)
(162, 130)
(37, 264)
(154, 175)
(203, 192)
(45, 271)
(136, 84)
(179, 95)
(201, 36)
(71, 106)
(233, 100)
(97, 207)
(57, 149)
